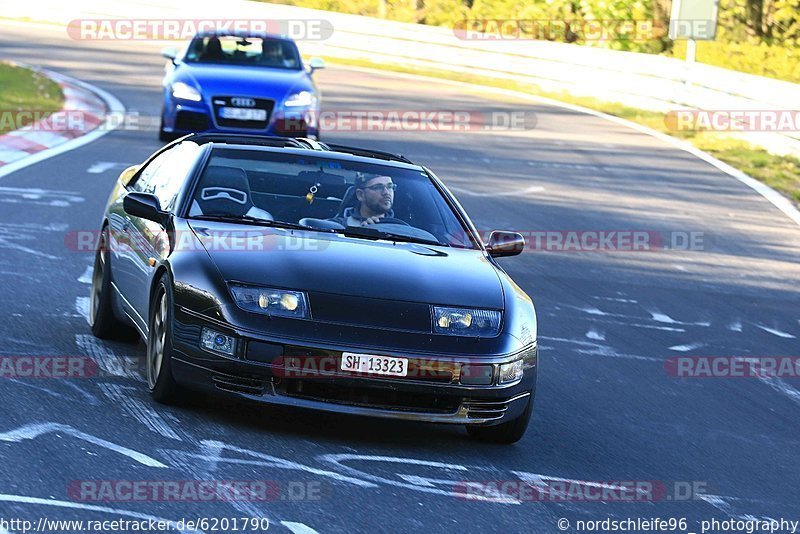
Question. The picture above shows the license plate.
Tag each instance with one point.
(243, 114)
(374, 365)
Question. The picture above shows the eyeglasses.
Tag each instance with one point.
(381, 187)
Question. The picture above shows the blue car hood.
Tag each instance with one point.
(257, 82)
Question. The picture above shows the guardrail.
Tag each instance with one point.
(640, 80)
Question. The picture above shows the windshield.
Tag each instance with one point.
(250, 51)
(359, 200)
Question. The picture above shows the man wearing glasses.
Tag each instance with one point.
(375, 196)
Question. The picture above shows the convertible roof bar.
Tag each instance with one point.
(292, 142)
(367, 152)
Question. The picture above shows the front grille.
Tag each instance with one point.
(381, 398)
(219, 102)
(191, 121)
(377, 313)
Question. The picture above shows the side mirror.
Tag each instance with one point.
(505, 244)
(315, 63)
(170, 53)
(145, 206)
(127, 175)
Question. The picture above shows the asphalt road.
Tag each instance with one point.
(606, 409)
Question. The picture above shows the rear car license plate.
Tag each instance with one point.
(373, 364)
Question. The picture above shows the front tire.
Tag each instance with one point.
(510, 432)
(160, 380)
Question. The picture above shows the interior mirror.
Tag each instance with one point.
(145, 206)
(316, 63)
(505, 244)
(127, 175)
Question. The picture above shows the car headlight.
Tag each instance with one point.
(185, 92)
(280, 302)
(303, 98)
(466, 322)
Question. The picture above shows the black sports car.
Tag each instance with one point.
(293, 272)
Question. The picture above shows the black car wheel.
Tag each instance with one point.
(104, 323)
(163, 387)
(509, 432)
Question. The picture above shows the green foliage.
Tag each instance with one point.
(24, 90)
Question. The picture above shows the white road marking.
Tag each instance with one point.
(615, 299)
(139, 411)
(781, 387)
(35, 430)
(735, 326)
(517, 193)
(22, 499)
(91, 399)
(687, 347)
(593, 333)
(664, 318)
(38, 388)
(774, 331)
(261, 460)
(106, 359)
(103, 166)
(298, 528)
(82, 307)
(86, 277)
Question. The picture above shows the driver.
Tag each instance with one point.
(375, 196)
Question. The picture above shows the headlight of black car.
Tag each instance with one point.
(269, 301)
(466, 322)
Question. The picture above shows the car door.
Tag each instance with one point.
(164, 177)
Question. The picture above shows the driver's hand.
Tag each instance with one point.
(370, 220)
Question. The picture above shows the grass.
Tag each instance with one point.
(22, 89)
(782, 173)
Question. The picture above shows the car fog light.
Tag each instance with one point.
(510, 372)
(476, 375)
(216, 342)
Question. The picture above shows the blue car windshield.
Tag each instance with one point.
(295, 188)
(244, 51)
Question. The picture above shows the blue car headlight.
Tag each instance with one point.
(466, 322)
(303, 98)
(278, 302)
(185, 91)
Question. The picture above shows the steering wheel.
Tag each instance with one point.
(390, 220)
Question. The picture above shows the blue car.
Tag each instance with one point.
(239, 83)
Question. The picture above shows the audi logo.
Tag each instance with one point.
(243, 102)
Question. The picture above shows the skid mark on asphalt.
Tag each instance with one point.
(781, 387)
(37, 388)
(106, 359)
(13, 238)
(88, 397)
(22, 499)
(598, 349)
(35, 430)
(120, 396)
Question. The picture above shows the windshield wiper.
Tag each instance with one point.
(374, 233)
(248, 219)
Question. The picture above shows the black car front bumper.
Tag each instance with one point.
(260, 371)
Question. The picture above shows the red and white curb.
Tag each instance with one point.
(40, 140)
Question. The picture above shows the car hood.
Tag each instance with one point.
(257, 82)
(330, 263)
